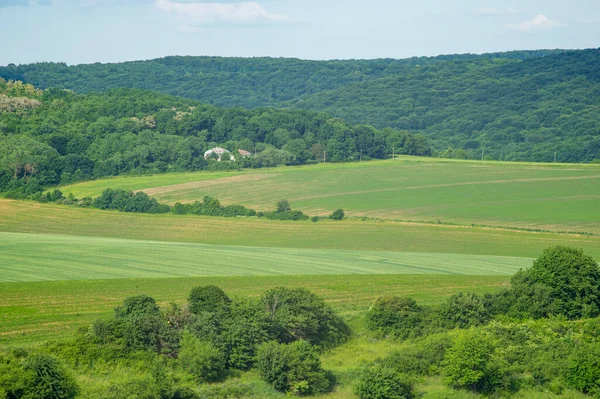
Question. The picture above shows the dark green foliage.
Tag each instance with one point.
(212, 207)
(338, 214)
(392, 315)
(381, 382)
(584, 369)
(463, 310)
(293, 368)
(127, 201)
(422, 358)
(283, 206)
(469, 362)
(562, 281)
(202, 359)
(210, 299)
(298, 314)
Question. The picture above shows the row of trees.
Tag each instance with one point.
(68, 137)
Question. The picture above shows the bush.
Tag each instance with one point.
(283, 206)
(469, 364)
(298, 314)
(210, 299)
(422, 358)
(338, 214)
(293, 368)
(463, 310)
(381, 382)
(144, 388)
(562, 281)
(392, 315)
(50, 380)
(584, 370)
(202, 359)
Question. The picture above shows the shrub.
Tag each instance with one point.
(202, 359)
(293, 368)
(50, 380)
(392, 315)
(469, 364)
(208, 298)
(381, 382)
(584, 370)
(283, 206)
(422, 358)
(463, 310)
(141, 388)
(338, 214)
(298, 314)
(562, 281)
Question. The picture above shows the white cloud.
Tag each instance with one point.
(193, 16)
(539, 22)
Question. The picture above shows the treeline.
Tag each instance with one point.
(64, 137)
(523, 106)
(227, 81)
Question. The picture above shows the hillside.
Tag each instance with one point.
(57, 137)
(509, 106)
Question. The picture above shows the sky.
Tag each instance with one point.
(87, 31)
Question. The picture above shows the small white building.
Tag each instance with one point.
(219, 152)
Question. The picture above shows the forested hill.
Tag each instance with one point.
(57, 136)
(231, 82)
(524, 105)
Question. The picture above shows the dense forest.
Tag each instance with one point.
(522, 105)
(56, 136)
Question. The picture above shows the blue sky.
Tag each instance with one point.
(85, 31)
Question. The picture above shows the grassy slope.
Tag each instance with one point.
(31, 217)
(560, 198)
(35, 311)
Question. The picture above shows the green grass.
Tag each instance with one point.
(36, 257)
(540, 196)
(31, 217)
(32, 312)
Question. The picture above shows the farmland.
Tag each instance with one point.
(539, 196)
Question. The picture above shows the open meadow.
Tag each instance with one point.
(558, 197)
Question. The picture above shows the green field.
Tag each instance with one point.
(540, 196)
(35, 257)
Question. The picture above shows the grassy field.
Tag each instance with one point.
(542, 196)
(31, 217)
(31, 312)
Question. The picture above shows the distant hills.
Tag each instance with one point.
(522, 105)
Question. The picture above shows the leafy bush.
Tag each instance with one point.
(421, 358)
(381, 382)
(463, 310)
(210, 299)
(584, 370)
(338, 214)
(298, 314)
(469, 363)
(283, 206)
(48, 379)
(202, 359)
(293, 368)
(562, 281)
(392, 315)
(127, 201)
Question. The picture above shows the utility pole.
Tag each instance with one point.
(360, 156)
(324, 156)
(482, 153)
(554, 156)
(393, 152)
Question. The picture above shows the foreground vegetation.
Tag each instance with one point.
(498, 344)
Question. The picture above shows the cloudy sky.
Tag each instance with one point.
(85, 31)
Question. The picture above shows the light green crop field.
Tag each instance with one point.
(541, 196)
(31, 217)
(35, 257)
(32, 312)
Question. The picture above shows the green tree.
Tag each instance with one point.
(338, 214)
(208, 298)
(381, 382)
(202, 359)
